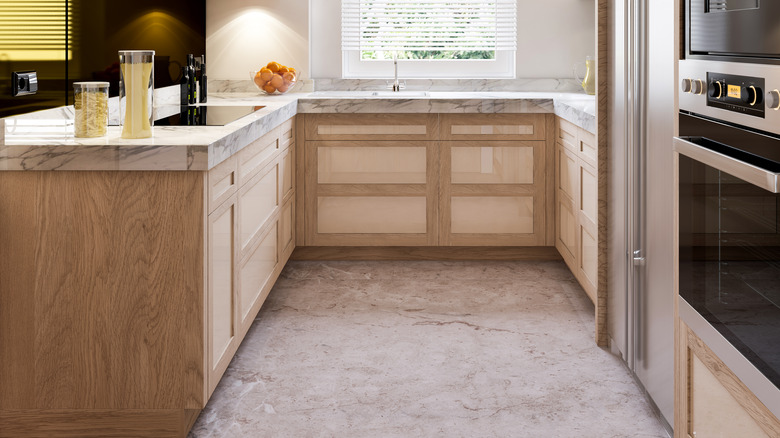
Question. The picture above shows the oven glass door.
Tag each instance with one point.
(745, 28)
(730, 259)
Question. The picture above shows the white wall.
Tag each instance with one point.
(244, 35)
(552, 36)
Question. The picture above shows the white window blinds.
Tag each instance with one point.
(451, 25)
(34, 30)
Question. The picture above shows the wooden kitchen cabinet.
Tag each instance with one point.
(427, 180)
(577, 203)
(250, 238)
(371, 180)
(125, 294)
(493, 189)
(710, 398)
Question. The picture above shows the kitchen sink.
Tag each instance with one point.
(361, 94)
(400, 94)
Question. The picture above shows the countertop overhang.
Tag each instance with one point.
(39, 141)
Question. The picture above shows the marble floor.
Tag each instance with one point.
(426, 349)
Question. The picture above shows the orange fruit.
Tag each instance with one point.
(274, 66)
(288, 78)
(283, 70)
(276, 81)
(259, 81)
(268, 88)
(266, 74)
(292, 70)
(283, 88)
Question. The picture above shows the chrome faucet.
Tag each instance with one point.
(396, 86)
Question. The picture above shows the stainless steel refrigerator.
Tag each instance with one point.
(643, 53)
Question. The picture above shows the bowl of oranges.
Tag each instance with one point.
(275, 78)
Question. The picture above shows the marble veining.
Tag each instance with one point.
(44, 140)
(426, 349)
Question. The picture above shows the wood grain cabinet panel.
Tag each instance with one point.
(493, 193)
(492, 165)
(362, 164)
(577, 204)
(136, 289)
(371, 127)
(222, 182)
(254, 274)
(710, 400)
(258, 200)
(371, 192)
(493, 127)
(222, 324)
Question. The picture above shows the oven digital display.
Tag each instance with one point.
(735, 91)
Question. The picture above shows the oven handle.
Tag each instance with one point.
(747, 172)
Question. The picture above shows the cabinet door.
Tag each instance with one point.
(222, 340)
(254, 275)
(371, 193)
(492, 192)
(714, 402)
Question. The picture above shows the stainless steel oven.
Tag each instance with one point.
(729, 216)
(741, 30)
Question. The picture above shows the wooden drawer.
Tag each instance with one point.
(371, 127)
(492, 127)
(475, 162)
(568, 172)
(587, 148)
(371, 162)
(258, 200)
(287, 174)
(222, 183)
(286, 134)
(566, 133)
(257, 155)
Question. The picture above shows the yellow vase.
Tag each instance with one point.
(589, 82)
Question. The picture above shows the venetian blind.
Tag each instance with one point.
(34, 30)
(447, 25)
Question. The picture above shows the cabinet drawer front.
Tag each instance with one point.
(222, 183)
(371, 127)
(287, 134)
(567, 172)
(492, 215)
(254, 157)
(492, 127)
(287, 179)
(587, 147)
(492, 165)
(589, 200)
(257, 202)
(379, 163)
(255, 272)
(566, 133)
(371, 215)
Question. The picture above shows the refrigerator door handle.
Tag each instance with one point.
(638, 259)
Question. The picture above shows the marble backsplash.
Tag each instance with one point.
(565, 85)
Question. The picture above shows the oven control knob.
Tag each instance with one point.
(686, 85)
(716, 89)
(752, 95)
(697, 86)
(773, 100)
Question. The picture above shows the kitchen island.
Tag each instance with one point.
(130, 270)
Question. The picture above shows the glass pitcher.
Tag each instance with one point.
(589, 81)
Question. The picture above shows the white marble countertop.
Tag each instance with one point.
(45, 141)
